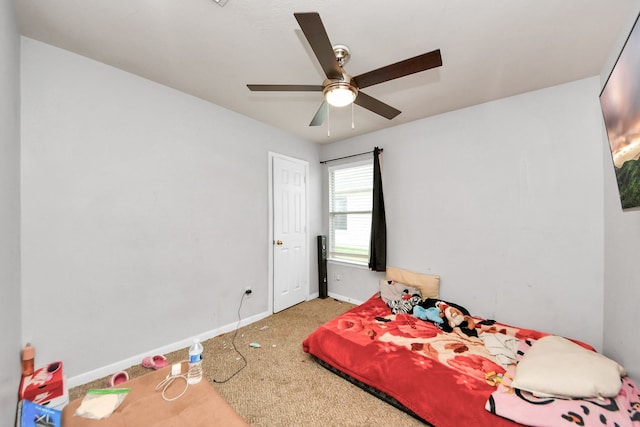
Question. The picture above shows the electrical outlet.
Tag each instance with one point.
(248, 291)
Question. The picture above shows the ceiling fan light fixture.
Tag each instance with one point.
(340, 94)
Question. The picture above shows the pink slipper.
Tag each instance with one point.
(156, 362)
(118, 378)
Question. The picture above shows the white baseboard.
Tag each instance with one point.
(345, 299)
(178, 345)
(335, 296)
(110, 369)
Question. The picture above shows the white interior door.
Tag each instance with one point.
(290, 263)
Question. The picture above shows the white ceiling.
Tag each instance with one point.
(490, 49)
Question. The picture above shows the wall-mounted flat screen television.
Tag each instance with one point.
(620, 102)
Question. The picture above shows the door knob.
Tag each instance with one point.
(279, 242)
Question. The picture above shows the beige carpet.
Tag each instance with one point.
(282, 385)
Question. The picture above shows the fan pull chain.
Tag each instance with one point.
(353, 123)
(328, 121)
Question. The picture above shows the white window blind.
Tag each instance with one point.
(350, 204)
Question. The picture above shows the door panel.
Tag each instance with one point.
(290, 264)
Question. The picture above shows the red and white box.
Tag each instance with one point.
(46, 386)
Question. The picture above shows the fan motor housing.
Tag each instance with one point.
(342, 54)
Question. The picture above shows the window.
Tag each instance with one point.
(350, 204)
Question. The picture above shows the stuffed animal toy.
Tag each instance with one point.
(454, 316)
(431, 314)
(404, 305)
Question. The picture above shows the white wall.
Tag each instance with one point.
(504, 202)
(621, 248)
(124, 190)
(9, 212)
(144, 213)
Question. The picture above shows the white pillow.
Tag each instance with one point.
(557, 367)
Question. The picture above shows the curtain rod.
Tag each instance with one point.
(353, 155)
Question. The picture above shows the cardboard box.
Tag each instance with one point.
(61, 401)
(47, 386)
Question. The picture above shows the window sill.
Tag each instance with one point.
(349, 263)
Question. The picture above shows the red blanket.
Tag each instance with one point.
(441, 377)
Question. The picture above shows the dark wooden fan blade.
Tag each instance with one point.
(321, 115)
(399, 69)
(316, 35)
(286, 88)
(378, 107)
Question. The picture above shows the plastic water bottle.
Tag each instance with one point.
(194, 375)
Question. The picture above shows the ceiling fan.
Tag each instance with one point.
(339, 88)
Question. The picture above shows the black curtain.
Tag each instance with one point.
(378, 243)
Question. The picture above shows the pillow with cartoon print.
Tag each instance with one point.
(394, 291)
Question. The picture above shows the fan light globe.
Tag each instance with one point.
(340, 94)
